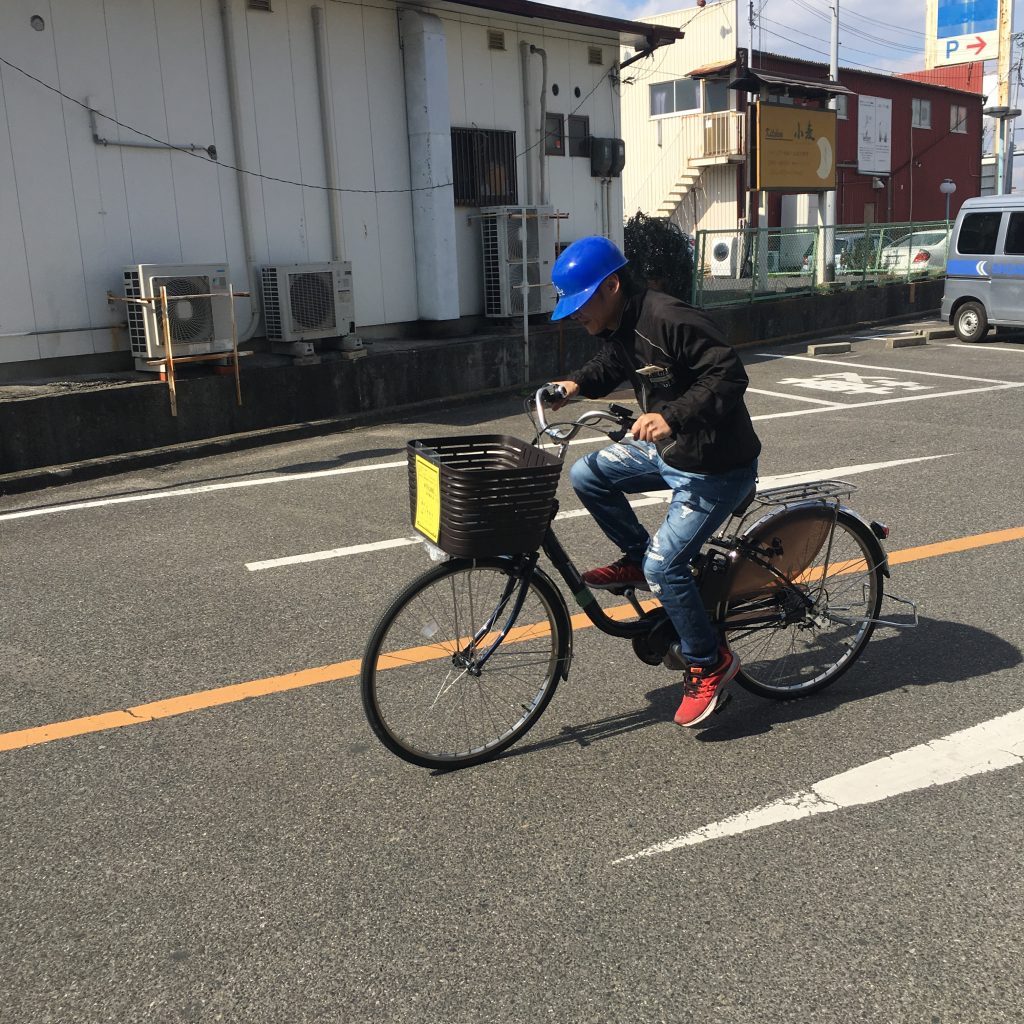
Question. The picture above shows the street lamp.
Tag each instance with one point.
(947, 188)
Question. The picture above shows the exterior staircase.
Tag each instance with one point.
(685, 184)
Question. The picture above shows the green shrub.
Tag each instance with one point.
(660, 254)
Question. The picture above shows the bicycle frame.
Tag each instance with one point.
(811, 497)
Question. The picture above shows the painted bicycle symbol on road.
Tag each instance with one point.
(849, 383)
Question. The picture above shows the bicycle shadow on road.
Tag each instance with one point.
(935, 652)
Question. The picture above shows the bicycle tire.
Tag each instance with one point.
(422, 700)
(806, 648)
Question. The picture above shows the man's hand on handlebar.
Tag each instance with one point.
(651, 426)
(569, 389)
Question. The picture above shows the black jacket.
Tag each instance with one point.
(693, 377)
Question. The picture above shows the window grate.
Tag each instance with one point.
(595, 55)
(495, 39)
(484, 167)
(259, 5)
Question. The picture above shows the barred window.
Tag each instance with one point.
(484, 167)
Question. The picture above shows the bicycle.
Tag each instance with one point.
(469, 655)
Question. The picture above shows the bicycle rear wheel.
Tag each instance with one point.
(430, 696)
(797, 639)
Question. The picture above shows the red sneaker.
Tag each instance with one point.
(623, 573)
(703, 686)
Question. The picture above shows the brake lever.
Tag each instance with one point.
(623, 414)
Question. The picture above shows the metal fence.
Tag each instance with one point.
(733, 267)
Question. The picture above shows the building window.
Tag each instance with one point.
(922, 113)
(484, 167)
(958, 119)
(495, 39)
(595, 55)
(579, 135)
(843, 107)
(716, 96)
(679, 97)
(554, 135)
(978, 234)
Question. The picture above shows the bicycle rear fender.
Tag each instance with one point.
(790, 540)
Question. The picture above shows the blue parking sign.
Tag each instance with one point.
(966, 17)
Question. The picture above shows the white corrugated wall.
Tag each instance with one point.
(73, 213)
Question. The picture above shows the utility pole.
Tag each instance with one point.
(1004, 134)
(829, 215)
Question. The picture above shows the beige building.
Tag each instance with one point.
(684, 136)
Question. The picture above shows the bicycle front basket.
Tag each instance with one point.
(481, 495)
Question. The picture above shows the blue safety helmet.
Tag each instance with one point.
(579, 271)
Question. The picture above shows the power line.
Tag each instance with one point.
(847, 13)
(848, 49)
(270, 177)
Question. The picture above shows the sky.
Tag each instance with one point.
(879, 35)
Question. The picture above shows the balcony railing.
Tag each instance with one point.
(721, 136)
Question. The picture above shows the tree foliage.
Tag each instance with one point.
(661, 254)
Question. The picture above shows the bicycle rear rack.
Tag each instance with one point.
(813, 490)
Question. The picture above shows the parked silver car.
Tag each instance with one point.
(920, 251)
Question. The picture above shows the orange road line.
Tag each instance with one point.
(190, 702)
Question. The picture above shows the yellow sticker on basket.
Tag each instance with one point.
(428, 498)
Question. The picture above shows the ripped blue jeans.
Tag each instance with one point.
(699, 505)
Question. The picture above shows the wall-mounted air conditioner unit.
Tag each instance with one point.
(723, 256)
(198, 326)
(306, 301)
(509, 254)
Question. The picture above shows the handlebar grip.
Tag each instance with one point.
(553, 392)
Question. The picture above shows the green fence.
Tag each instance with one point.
(733, 267)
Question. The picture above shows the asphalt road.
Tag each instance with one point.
(265, 859)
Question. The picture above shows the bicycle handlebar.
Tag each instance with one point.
(618, 414)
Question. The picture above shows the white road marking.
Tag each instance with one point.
(989, 747)
(399, 542)
(795, 398)
(889, 401)
(650, 498)
(988, 347)
(180, 492)
(886, 369)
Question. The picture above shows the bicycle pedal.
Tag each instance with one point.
(723, 700)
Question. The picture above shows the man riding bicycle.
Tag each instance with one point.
(694, 436)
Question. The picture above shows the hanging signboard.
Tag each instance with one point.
(961, 31)
(796, 148)
(874, 135)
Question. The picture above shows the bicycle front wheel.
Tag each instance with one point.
(795, 639)
(430, 691)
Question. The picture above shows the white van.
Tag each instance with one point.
(985, 268)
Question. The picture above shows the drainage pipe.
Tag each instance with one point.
(543, 197)
(524, 58)
(241, 161)
(327, 133)
(425, 69)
